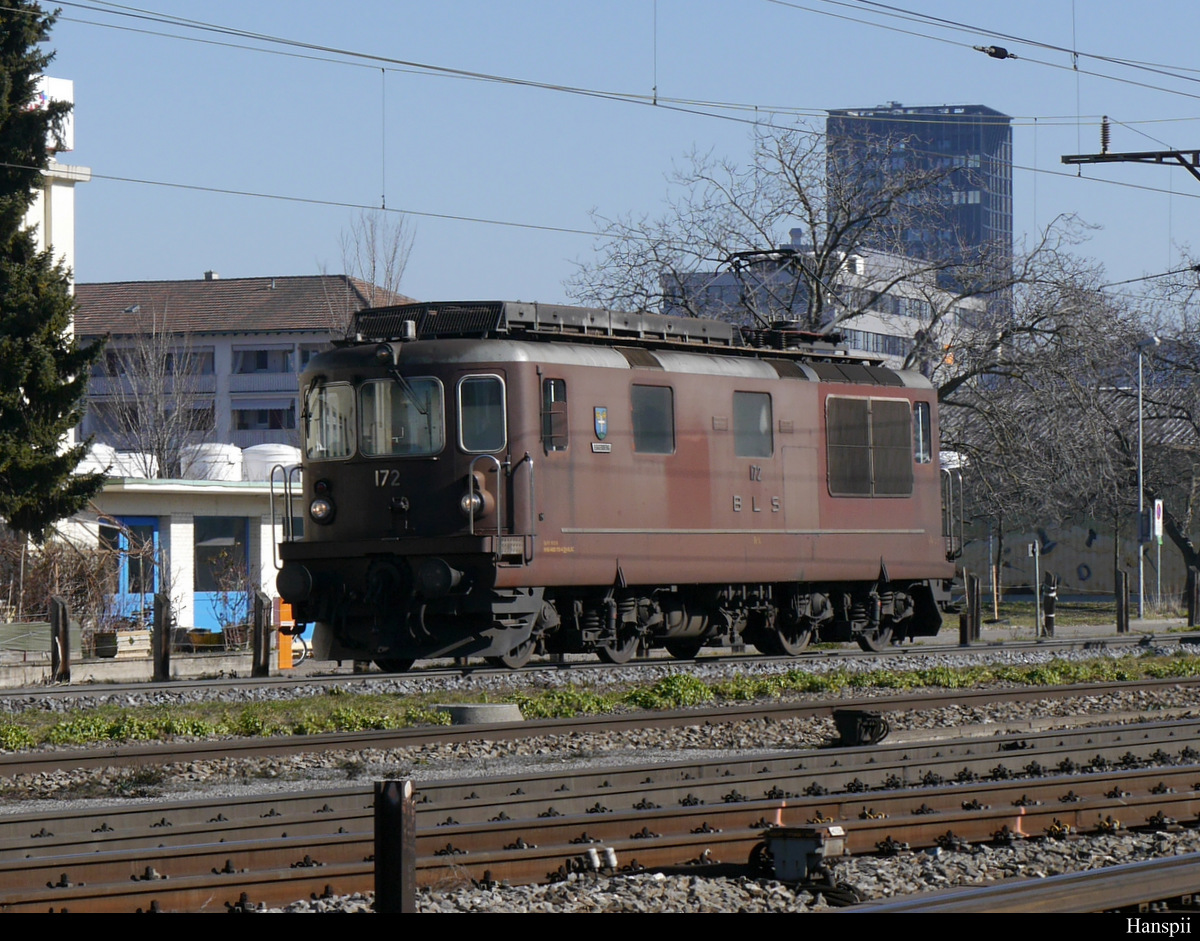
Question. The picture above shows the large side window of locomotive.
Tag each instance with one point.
(752, 424)
(401, 419)
(848, 446)
(329, 421)
(554, 415)
(481, 422)
(868, 447)
(891, 447)
(653, 419)
(922, 433)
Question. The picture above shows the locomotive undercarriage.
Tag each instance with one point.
(394, 610)
(776, 619)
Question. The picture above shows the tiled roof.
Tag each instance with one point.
(225, 305)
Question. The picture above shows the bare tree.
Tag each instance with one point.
(784, 225)
(159, 400)
(1046, 429)
(1171, 404)
(1055, 436)
(31, 574)
(375, 251)
(795, 236)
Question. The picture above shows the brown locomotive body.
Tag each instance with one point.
(496, 478)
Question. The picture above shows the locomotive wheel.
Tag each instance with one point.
(394, 664)
(877, 640)
(683, 648)
(515, 658)
(623, 652)
(764, 641)
(790, 639)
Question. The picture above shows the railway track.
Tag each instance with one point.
(139, 754)
(330, 675)
(217, 855)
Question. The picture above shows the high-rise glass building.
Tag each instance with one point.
(965, 149)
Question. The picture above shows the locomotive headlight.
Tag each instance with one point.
(385, 355)
(321, 510)
(471, 504)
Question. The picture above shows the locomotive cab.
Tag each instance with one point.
(409, 475)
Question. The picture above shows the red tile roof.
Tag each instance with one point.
(225, 305)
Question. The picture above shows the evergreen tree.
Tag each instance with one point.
(43, 371)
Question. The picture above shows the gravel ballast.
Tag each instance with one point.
(870, 877)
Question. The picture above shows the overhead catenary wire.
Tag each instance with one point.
(335, 55)
(700, 107)
(335, 203)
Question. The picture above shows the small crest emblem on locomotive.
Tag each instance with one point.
(601, 421)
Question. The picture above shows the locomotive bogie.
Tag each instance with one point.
(499, 495)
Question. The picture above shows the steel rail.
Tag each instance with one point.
(1125, 886)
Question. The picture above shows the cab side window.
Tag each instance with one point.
(554, 415)
(481, 423)
(922, 433)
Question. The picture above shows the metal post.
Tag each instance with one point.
(1050, 602)
(1193, 595)
(976, 609)
(965, 634)
(160, 637)
(1142, 346)
(261, 644)
(395, 847)
(1141, 498)
(1121, 590)
(1037, 588)
(60, 641)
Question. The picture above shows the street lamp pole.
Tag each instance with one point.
(1142, 346)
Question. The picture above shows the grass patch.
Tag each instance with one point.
(342, 711)
(337, 713)
(562, 703)
(671, 692)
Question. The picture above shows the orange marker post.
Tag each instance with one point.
(286, 621)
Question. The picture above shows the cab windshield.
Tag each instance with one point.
(401, 419)
(329, 421)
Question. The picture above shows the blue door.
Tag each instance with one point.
(223, 577)
(134, 542)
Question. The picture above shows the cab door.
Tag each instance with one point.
(481, 417)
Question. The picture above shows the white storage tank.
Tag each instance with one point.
(258, 460)
(211, 462)
(135, 464)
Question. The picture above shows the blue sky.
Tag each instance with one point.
(328, 127)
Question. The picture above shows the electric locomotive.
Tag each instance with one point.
(496, 479)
